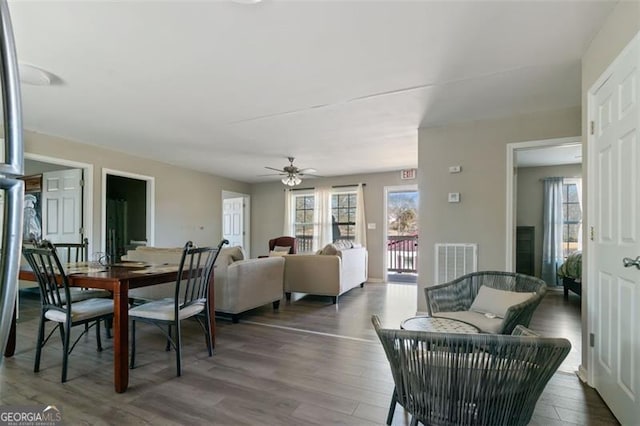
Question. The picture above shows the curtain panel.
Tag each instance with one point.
(553, 222)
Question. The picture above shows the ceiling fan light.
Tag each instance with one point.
(291, 180)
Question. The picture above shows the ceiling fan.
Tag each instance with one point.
(291, 174)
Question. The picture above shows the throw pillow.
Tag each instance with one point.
(497, 302)
(235, 253)
(330, 249)
(281, 248)
(274, 253)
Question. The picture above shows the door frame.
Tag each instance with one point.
(511, 196)
(87, 189)
(246, 217)
(385, 228)
(151, 202)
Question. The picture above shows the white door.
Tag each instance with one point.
(62, 206)
(233, 221)
(614, 298)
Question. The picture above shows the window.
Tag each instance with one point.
(303, 220)
(572, 217)
(343, 216)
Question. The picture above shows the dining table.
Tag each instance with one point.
(118, 280)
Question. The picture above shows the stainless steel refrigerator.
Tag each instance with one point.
(11, 168)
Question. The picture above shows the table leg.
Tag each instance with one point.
(10, 349)
(121, 336)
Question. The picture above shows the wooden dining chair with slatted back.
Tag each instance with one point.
(191, 300)
(57, 304)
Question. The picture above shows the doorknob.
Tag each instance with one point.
(628, 262)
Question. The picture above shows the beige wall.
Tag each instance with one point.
(267, 210)
(621, 26)
(531, 199)
(480, 148)
(188, 203)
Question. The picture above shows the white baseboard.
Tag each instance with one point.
(582, 374)
(375, 280)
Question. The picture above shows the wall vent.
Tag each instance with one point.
(455, 260)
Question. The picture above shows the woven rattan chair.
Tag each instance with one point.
(54, 294)
(470, 379)
(191, 300)
(453, 299)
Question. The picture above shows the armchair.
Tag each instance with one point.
(290, 242)
(445, 378)
(458, 299)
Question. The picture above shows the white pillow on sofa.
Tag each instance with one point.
(497, 302)
(276, 253)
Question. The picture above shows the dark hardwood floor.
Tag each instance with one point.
(310, 363)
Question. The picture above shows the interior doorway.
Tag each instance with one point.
(401, 234)
(127, 212)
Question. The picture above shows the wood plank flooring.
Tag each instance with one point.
(310, 363)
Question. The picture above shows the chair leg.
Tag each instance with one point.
(235, 318)
(98, 340)
(334, 299)
(392, 407)
(36, 365)
(414, 421)
(288, 296)
(133, 344)
(65, 358)
(168, 347)
(207, 331)
(276, 305)
(178, 343)
(108, 323)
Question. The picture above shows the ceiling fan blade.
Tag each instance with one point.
(309, 174)
(274, 174)
(306, 171)
(272, 168)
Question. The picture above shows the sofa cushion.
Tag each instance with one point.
(480, 321)
(496, 302)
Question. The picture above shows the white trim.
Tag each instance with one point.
(151, 202)
(87, 191)
(511, 187)
(385, 227)
(246, 239)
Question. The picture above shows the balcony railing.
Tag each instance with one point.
(402, 253)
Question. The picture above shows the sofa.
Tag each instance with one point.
(332, 271)
(240, 284)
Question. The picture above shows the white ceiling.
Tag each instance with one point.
(229, 88)
(549, 156)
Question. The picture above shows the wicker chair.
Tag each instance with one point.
(470, 379)
(453, 299)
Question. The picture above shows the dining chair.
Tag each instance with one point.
(469, 379)
(57, 304)
(190, 301)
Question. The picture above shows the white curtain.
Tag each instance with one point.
(322, 232)
(361, 223)
(578, 183)
(552, 243)
(288, 215)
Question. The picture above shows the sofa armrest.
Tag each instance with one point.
(313, 273)
(249, 283)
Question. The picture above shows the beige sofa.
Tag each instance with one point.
(326, 274)
(239, 284)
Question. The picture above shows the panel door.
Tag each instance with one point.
(62, 206)
(615, 299)
(233, 221)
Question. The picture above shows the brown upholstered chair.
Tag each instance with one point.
(284, 242)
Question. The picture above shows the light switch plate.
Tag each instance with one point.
(371, 226)
(454, 197)
(455, 169)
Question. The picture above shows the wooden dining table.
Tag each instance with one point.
(118, 280)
